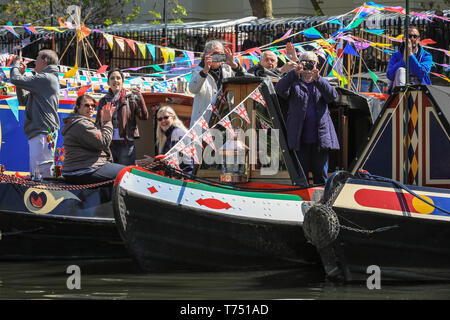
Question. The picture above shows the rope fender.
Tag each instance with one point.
(320, 225)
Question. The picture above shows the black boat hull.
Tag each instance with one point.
(28, 236)
(165, 236)
(57, 221)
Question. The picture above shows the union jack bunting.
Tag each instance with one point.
(242, 112)
(221, 97)
(226, 123)
(213, 109)
(173, 161)
(207, 137)
(194, 136)
(192, 153)
(257, 96)
(203, 123)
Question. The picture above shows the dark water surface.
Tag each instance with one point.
(120, 279)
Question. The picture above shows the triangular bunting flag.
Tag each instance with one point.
(102, 69)
(165, 53)
(83, 90)
(121, 43)
(30, 29)
(257, 96)
(349, 50)
(226, 123)
(10, 29)
(373, 76)
(207, 137)
(312, 33)
(142, 48)
(109, 38)
(13, 104)
(151, 49)
(131, 45)
(72, 72)
(242, 112)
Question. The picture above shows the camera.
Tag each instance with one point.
(309, 65)
(219, 57)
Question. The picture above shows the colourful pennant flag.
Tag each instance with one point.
(203, 123)
(190, 56)
(83, 90)
(142, 48)
(109, 38)
(102, 69)
(242, 112)
(11, 29)
(54, 29)
(373, 76)
(173, 161)
(226, 123)
(30, 29)
(151, 49)
(13, 104)
(165, 53)
(425, 42)
(207, 137)
(257, 96)
(349, 50)
(214, 110)
(355, 23)
(286, 35)
(130, 43)
(121, 43)
(312, 33)
(72, 72)
(194, 136)
(375, 31)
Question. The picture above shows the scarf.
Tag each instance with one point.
(118, 101)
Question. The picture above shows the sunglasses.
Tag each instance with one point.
(163, 118)
(414, 36)
(87, 105)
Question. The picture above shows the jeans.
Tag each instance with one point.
(124, 153)
(103, 173)
(314, 160)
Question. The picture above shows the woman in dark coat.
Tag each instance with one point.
(310, 130)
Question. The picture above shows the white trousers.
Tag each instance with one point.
(41, 157)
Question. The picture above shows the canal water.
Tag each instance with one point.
(122, 280)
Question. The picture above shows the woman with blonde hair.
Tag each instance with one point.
(169, 131)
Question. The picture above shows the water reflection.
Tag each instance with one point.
(120, 279)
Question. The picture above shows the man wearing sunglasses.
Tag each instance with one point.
(420, 62)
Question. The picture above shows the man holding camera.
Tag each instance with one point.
(217, 63)
(310, 130)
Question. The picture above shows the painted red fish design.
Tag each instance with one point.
(213, 203)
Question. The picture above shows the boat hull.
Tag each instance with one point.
(56, 221)
(167, 236)
(28, 236)
(410, 243)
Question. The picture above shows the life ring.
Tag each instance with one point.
(320, 225)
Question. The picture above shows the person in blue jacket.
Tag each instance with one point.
(310, 130)
(420, 62)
